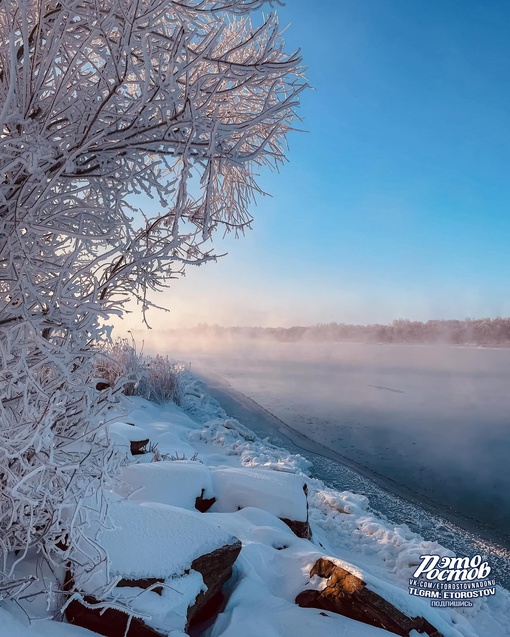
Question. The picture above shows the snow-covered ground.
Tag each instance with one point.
(156, 531)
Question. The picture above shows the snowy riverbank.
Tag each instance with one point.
(393, 500)
(432, 420)
(255, 485)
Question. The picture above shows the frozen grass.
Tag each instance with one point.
(154, 378)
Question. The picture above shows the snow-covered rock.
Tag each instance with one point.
(178, 483)
(128, 438)
(158, 540)
(156, 546)
(342, 592)
(277, 492)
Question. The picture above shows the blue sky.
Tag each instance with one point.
(396, 202)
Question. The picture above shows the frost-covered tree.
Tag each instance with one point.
(101, 100)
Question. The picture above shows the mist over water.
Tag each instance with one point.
(433, 418)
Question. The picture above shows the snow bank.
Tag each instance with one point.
(12, 626)
(253, 611)
(172, 482)
(157, 540)
(121, 432)
(231, 437)
(278, 493)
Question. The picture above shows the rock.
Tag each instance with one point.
(216, 570)
(110, 622)
(128, 437)
(280, 493)
(301, 529)
(347, 594)
(145, 583)
(204, 504)
(137, 447)
(185, 484)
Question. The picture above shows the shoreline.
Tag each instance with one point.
(266, 424)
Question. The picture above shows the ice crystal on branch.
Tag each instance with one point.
(101, 100)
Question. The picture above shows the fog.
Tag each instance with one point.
(433, 418)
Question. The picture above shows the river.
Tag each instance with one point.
(430, 424)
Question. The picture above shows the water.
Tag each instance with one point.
(434, 419)
(430, 423)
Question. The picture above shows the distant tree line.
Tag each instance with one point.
(488, 332)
